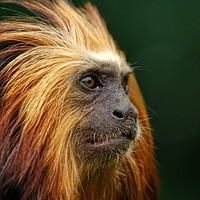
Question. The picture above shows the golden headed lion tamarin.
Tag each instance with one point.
(73, 124)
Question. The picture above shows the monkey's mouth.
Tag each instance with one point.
(106, 147)
(112, 138)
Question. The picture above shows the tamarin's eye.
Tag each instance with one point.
(125, 85)
(90, 82)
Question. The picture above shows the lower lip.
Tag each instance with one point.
(119, 143)
(111, 142)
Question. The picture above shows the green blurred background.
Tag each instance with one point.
(161, 39)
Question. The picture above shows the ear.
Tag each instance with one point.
(136, 99)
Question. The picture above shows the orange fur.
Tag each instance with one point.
(40, 111)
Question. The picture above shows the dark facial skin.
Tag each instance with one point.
(112, 120)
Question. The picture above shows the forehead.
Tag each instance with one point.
(111, 61)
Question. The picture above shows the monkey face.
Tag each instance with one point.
(111, 123)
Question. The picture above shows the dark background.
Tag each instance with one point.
(161, 39)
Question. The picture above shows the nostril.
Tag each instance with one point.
(118, 115)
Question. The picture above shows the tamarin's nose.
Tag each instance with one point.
(125, 114)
